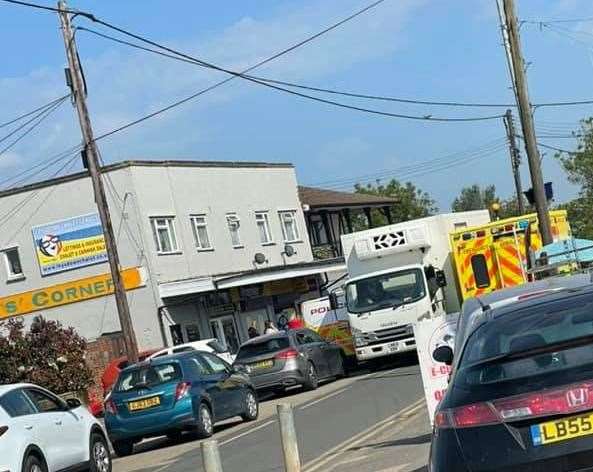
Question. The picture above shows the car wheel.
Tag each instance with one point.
(34, 464)
(205, 426)
(123, 448)
(251, 407)
(312, 381)
(100, 456)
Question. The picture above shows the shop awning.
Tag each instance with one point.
(256, 276)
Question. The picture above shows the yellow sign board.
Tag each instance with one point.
(66, 293)
(278, 287)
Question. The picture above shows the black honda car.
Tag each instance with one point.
(520, 396)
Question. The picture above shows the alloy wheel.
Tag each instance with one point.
(251, 405)
(101, 457)
(206, 419)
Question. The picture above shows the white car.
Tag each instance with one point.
(212, 345)
(40, 432)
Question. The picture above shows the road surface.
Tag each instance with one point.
(334, 424)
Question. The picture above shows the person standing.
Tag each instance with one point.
(269, 328)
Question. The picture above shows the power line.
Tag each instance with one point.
(40, 118)
(551, 21)
(379, 174)
(47, 8)
(18, 118)
(275, 87)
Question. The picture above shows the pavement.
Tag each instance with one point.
(372, 421)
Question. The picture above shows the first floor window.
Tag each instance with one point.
(12, 261)
(233, 223)
(290, 230)
(263, 226)
(164, 234)
(200, 226)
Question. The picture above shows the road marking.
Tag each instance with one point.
(358, 438)
(261, 426)
(396, 468)
(354, 459)
(319, 400)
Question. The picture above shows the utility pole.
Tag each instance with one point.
(92, 154)
(515, 159)
(519, 76)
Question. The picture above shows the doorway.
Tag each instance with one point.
(224, 329)
(256, 319)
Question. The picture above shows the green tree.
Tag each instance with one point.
(578, 166)
(475, 198)
(412, 202)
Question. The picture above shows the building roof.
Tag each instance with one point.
(319, 198)
(145, 163)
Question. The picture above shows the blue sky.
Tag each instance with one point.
(421, 49)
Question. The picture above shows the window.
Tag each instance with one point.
(263, 348)
(215, 364)
(164, 234)
(149, 376)
(197, 368)
(233, 223)
(290, 230)
(200, 227)
(308, 337)
(16, 403)
(12, 261)
(44, 402)
(480, 268)
(263, 225)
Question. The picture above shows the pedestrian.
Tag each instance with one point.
(294, 322)
(269, 328)
(252, 332)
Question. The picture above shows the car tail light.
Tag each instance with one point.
(3, 429)
(289, 353)
(110, 407)
(558, 401)
(182, 390)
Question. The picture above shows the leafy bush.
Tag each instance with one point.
(47, 354)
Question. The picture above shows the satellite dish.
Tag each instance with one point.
(289, 250)
(259, 258)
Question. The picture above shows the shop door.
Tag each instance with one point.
(225, 330)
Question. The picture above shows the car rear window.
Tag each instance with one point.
(149, 376)
(528, 329)
(263, 347)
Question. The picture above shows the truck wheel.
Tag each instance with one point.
(312, 381)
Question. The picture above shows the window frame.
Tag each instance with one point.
(23, 396)
(265, 217)
(195, 225)
(228, 217)
(295, 223)
(10, 275)
(61, 404)
(172, 231)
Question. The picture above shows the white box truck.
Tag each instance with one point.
(398, 275)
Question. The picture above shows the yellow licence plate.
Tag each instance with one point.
(144, 404)
(262, 365)
(561, 430)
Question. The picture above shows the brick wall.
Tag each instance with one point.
(100, 353)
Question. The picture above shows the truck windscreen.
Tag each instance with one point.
(384, 291)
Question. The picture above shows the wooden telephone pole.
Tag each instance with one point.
(92, 155)
(515, 159)
(520, 82)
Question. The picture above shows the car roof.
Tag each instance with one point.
(481, 310)
(162, 359)
(9, 387)
(266, 337)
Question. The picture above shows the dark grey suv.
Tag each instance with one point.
(297, 357)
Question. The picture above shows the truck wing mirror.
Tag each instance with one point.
(443, 354)
(333, 301)
(440, 278)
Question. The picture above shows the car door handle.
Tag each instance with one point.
(28, 428)
(58, 422)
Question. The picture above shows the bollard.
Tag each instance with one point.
(211, 456)
(290, 447)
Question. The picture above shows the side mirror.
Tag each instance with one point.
(73, 403)
(440, 278)
(333, 301)
(443, 354)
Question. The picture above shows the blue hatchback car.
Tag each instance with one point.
(168, 395)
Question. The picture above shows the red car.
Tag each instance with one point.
(110, 376)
